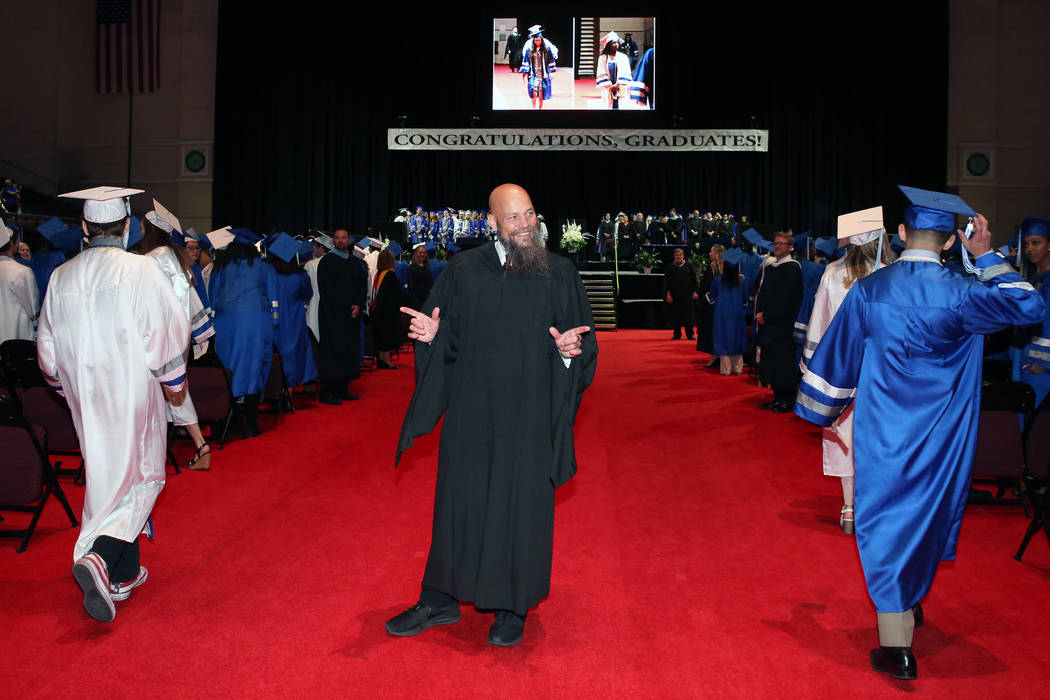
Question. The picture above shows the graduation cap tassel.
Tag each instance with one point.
(878, 253)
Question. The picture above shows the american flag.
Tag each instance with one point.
(128, 46)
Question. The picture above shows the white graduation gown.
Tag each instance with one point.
(111, 331)
(836, 442)
(200, 324)
(19, 300)
(315, 300)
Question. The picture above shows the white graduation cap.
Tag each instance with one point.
(106, 204)
(861, 227)
(323, 239)
(220, 238)
(611, 36)
(167, 216)
(5, 234)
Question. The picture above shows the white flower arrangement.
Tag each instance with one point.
(573, 239)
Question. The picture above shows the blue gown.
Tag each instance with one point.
(811, 274)
(291, 337)
(907, 341)
(1037, 352)
(244, 297)
(43, 264)
(728, 330)
(198, 284)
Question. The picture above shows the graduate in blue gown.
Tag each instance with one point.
(243, 291)
(729, 334)
(1032, 364)
(293, 292)
(906, 343)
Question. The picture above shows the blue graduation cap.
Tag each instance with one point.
(933, 210)
(1035, 226)
(827, 246)
(283, 246)
(734, 256)
(68, 239)
(364, 242)
(244, 235)
(306, 250)
(452, 248)
(394, 248)
(134, 233)
(431, 247)
(802, 241)
(755, 238)
(179, 237)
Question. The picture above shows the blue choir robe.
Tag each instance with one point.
(291, 337)
(1036, 354)
(416, 224)
(728, 328)
(433, 230)
(244, 297)
(906, 341)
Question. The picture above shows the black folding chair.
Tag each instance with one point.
(999, 458)
(276, 394)
(209, 384)
(1037, 474)
(20, 366)
(27, 479)
(41, 405)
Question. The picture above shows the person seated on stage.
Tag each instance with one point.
(709, 225)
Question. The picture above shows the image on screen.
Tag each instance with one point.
(573, 63)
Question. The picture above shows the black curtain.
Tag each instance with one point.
(854, 97)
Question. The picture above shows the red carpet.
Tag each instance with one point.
(697, 554)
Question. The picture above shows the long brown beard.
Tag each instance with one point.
(526, 260)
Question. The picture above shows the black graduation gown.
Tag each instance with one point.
(779, 299)
(341, 284)
(506, 441)
(386, 315)
(658, 233)
(420, 282)
(680, 281)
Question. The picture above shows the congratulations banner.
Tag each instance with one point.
(577, 140)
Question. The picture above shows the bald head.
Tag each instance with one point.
(511, 212)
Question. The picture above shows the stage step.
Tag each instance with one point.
(601, 293)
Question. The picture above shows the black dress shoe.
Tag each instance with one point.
(782, 407)
(419, 617)
(899, 662)
(330, 399)
(768, 406)
(507, 629)
(384, 365)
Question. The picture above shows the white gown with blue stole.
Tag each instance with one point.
(907, 340)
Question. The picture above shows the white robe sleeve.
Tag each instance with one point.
(164, 329)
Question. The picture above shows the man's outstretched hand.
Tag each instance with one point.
(570, 341)
(422, 327)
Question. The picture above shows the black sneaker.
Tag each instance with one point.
(419, 617)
